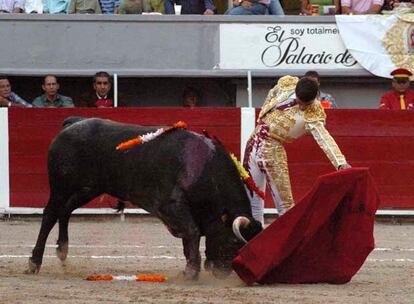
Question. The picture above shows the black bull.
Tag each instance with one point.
(185, 179)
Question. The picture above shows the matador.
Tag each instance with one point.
(290, 111)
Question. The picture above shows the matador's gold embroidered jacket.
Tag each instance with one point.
(287, 122)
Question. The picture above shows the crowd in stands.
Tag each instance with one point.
(400, 98)
(202, 7)
(98, 96)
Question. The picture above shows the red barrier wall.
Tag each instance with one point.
(382, 140)
(378, 139)
(31, 131)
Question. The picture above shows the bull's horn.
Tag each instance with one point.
(240, 221)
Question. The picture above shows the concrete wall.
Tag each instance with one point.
(171, 50)
(137, 45)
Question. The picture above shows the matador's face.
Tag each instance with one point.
(303, 105)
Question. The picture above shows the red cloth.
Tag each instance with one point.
(326, 237)
(391, 100)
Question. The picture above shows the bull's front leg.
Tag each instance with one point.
(179, 220)
(188, 231)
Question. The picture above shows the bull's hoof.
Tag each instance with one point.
(221, 273)
(62, 251)
(191, 274)
(33, 267)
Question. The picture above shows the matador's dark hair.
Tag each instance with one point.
(307, 89)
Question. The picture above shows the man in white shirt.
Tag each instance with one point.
(33, 7)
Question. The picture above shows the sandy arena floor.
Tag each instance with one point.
(143, 245)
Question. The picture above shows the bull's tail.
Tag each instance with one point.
(71, 120)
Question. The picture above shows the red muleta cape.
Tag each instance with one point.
(326, 237)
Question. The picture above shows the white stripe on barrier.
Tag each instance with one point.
(103, 211)
(248, 121)
(4, 160)
(397, 212)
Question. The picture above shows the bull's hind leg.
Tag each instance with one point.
(191, 244)
(77, 200)
(50, 215)
(179, 220)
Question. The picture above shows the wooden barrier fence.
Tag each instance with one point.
(378, 139)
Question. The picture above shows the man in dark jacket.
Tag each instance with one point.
(100, 98)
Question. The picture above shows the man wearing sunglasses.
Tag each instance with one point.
(402, 97)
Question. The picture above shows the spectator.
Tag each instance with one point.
(249, 7)
(361, 7)
(33, 7)
(51, 98)
(12, 6)
(109, 6)
(131, 7)
(326, 99)
(154, 6)
(306, 6)
(275, 8)
(84, 7)
(191, 7)
(397, 6)
(9, 98)
(100, 97)
(402, 97)
(290, 111)
(56, 6)
(191, 97)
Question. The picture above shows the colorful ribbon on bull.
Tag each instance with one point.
(139, 278)
(149, 136)
(246, 178)
(244, 175)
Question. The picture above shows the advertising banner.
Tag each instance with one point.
(283, 46)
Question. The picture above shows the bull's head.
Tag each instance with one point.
(223, 245)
